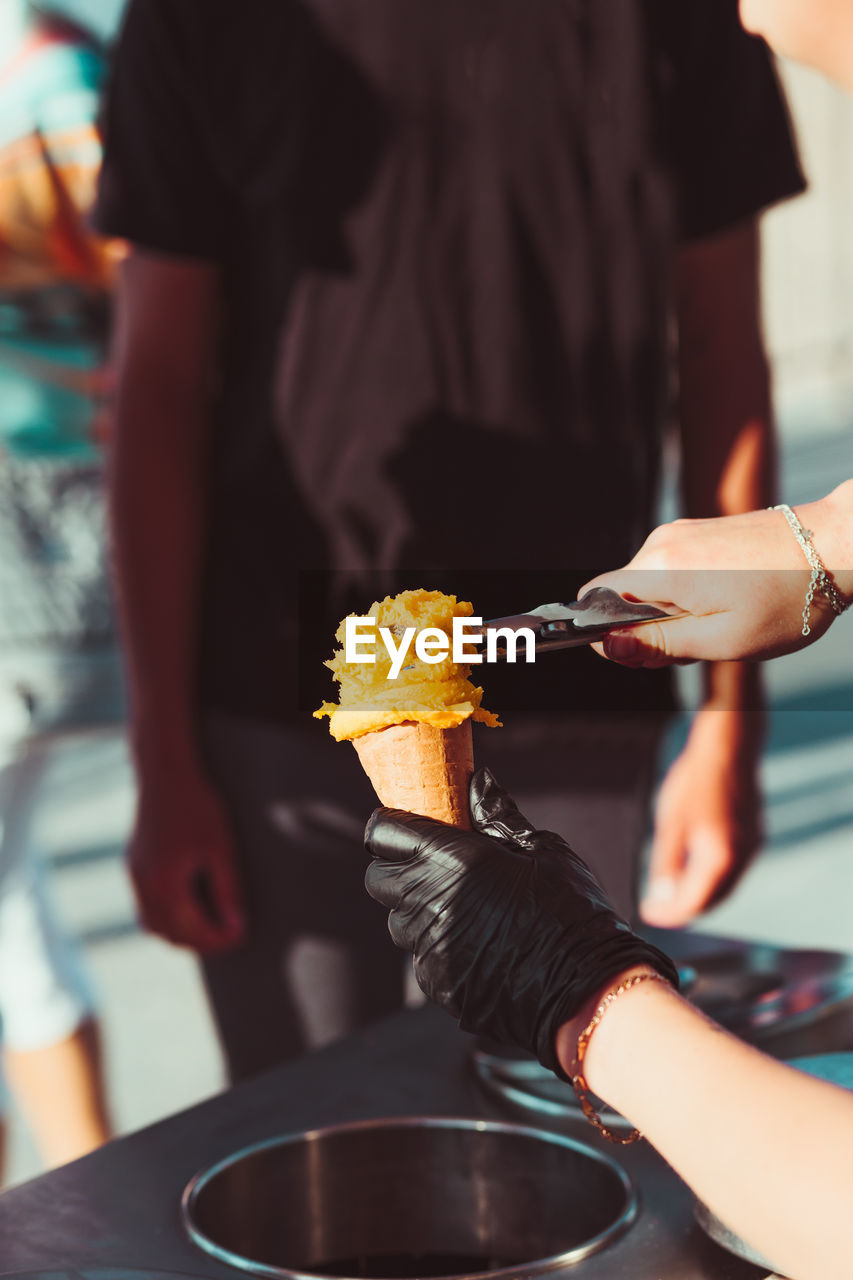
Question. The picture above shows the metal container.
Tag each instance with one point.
(418, 1196)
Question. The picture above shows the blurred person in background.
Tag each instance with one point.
(58, 667)
(397, 313)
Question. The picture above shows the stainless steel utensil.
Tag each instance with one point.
(566, 626)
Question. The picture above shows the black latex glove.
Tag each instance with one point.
(510, 930)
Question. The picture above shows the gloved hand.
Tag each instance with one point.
(510, 930)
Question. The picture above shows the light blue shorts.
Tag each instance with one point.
(44, 992)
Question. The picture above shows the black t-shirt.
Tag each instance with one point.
(446, 233)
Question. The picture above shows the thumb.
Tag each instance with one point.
(646, 646)
(660, 904)
(661, 644)
(495, 813)
(709, 861)
(407, 854)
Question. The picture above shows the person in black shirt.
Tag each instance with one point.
(398, 314)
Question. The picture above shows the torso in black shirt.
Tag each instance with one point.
(446, 235)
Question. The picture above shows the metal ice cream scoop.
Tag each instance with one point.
(566, 626)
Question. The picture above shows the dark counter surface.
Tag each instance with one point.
(120, 1206)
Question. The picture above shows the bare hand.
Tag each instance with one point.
(741, 580)
(182, 864)
(707, 820)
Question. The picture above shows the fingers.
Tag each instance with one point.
(195, 902)
(652, 585)
(401, 934)
(422, 869)
(412, 853)
(185, 922)
(686, 878)
(610, 580)
(226, 904)
(383, 882)
(666, 867)
(665, 644)
(495, 813)
(179, 918)
(396, 839)
(651, 644)
(397, 836)
(647, 646)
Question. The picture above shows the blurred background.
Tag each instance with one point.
(161, 1052)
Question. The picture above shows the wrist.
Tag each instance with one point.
(831, 522)
(164, 751)
(736, 687)
(726, 730)
(607, 1060)
(568, 1034)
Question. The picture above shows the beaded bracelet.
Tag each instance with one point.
(820, 579)
(579, 1083)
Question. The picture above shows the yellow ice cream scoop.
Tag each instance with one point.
(437, 692)
(409, 710)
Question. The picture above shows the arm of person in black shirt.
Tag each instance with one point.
(816, 32)
(708, 816)
(180, 853)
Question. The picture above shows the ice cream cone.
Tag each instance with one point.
(421, 769)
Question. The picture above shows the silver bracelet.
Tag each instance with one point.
(820, 579)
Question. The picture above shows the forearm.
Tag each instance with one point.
(167, 339)
(729, 483)
(158, 515)
(728, 448)
(728, 442)
(736, 689)
(765, 1147)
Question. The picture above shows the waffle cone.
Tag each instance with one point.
(421, 769)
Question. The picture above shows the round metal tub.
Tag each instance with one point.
(409, 1197)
